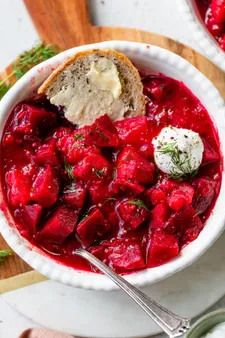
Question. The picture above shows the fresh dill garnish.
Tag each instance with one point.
(99, 173)
(183, 165)
(97, 242)
(101, 134)
(83, 218)
(79, 136)
(4, 254)
(109, 199)
(138, 203)
(69, 169)
(197, 214)
(3, 90)
(33, 57)
(114, 173)
(26, 61)
(127, 157)
(70, 189)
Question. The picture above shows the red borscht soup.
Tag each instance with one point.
(98, 186)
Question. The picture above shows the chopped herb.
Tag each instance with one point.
(79, 136)
(101, 134)
(3, 90)
(127, 158)
(139, 203)
(109, 199)
(100, 173)
(75, 145)
(185, 169)
(33, 57)
(97, 242)
(69, 170)
(4, 254)
(70, 189)
(83, 218)
(114, 173)
(197, 214)
(26, 61)
(161, 87)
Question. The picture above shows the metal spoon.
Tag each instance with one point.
(173, 325)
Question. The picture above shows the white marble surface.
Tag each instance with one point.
(17, 34)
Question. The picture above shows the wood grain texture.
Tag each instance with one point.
(66, 23)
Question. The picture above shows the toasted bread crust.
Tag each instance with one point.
(107, 52)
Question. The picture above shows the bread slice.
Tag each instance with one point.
(93, 83)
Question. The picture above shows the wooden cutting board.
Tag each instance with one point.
(66, 23)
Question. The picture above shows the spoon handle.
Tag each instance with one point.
(170, 323)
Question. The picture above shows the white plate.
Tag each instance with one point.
(88, 313)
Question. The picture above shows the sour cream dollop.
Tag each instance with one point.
(216, 332)
(178, 151)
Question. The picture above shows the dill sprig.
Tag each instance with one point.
(138, 203)
(79, 136)
(183, 164)
(4, 254)
(26, 61)
(69, 169)
(96, 130)
(97, 242)
(3, 90)
(100, 173)
(85, 216)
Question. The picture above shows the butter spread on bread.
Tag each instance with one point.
(93, 83)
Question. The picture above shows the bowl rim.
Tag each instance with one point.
(200, 33)
(201, 321)
(88, 280)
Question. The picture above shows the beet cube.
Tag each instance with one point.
(127, 257)
(92, 227)
(133, 167)
(167, 186)
(186, 224)
(163, 247)
(75, 148)
(218, 10)
(130, 188)
(31, 118)
(159, 216)
(180, 196)
(155, 196)
(204, 194)
(31, 215)
(103, 133)
(132, 130)
(99, 191)
(210, 155)
(45, 188)
(20, 183)
(123, 255)
(47, 154)
(74, 195)
(133, 213)
(108, 209)
(92, 168)
(60, 225)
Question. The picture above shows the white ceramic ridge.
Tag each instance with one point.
(144, 56)
(202, 36)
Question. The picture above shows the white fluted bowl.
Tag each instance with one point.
(200, 33)
(157, 59)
